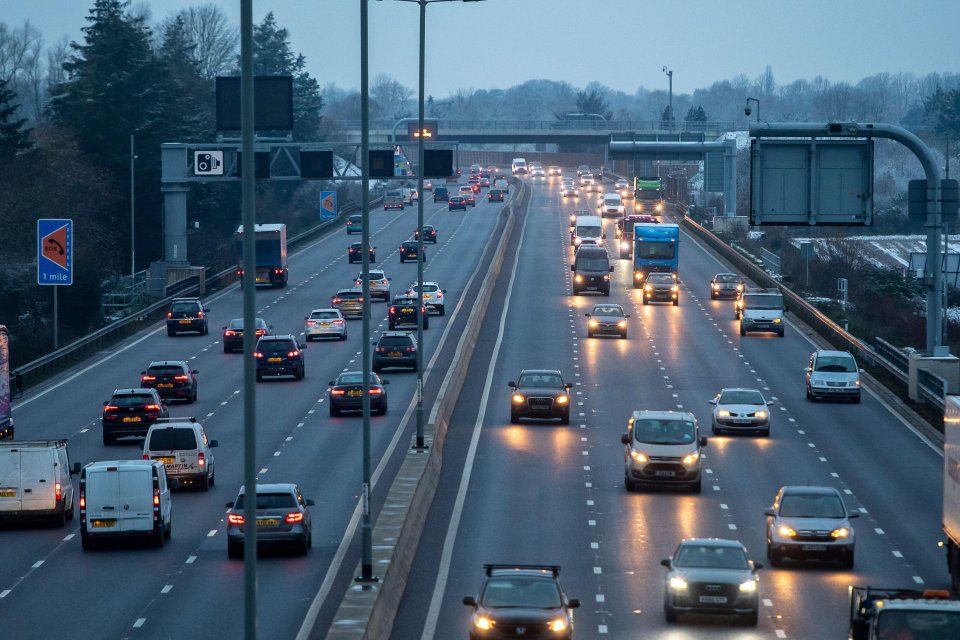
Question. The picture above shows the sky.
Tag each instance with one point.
(623, 44)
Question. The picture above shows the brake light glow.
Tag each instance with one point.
(260, 332)
(201, 459)
(57, 492)
(375, 391)
(169, 314)
(229, 332)
(181, 377)
(296, 516)
(236, 518)
(109, 408)
(83, 501)
(257, 354)
(311, 323)
(338, 322)
(337, 392)
(293, 354)
(147, 378)
(336, 301)
(156, 497)
(152, 407)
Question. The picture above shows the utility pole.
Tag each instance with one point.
(669, 73)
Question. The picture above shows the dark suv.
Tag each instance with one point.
(395, 349)
(409, 249)
(186, 314)
(539, 393)
(171, 379)
(279, 356)
(130, 412)
(441, 194)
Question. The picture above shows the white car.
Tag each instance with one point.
(323, 323)
(428, 185)
(622, 186)
(183, 448)
(433, 299)
(536, 170)
(379, 284)
(741, 410)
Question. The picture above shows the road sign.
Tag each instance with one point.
(54, 251)
(208, 163)
(328, 205)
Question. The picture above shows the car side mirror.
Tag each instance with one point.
(106, 402)
(703, 441)
(76, 469)
(224, 328)
(390, 279)
(861, 371)
(302, 345)
(611, 268)
(625, 438)
(229, 505)
(785, 310)
(213, 443)
(384, 382)
(309, 502)
(573, 603)
(853, 514)
(603, 236)
(769, 512)
(665, 562)
(756, 565)
(809, 369)
(771, 402)
(568, 386)
(509, 384)
(194, 371)
(173, 483)
(588, 315)
(573, 267)
(713, 401)
(470, 601)
(206, 309)
(143, 373)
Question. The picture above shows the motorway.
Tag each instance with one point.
(189, 589)
(543, 493)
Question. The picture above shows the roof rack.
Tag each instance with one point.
(180, 419)
(553, 568)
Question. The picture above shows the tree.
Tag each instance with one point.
(389, 99)
(667, 120)
(216, 41)
(14, 138)
(696, 115)
(942, 112)
(593, 102)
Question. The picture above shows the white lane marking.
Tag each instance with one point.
(592, 523)
(588, 485)
(191, 559)
(69, 536)
(918, 579)
(601, 628)
(597, 571)
(601, 598)
(4, 593)
(732, 527)
(878, 531)
(767, 602)
(723, 506)
(37, 564)
(781, 633)
(211, 533)
(897, 554)
(586, 468)
(594, 545)
(166, 588)
(139, 623)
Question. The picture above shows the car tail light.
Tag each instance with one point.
(411, 349)
(337, 301)
(440, 294)
(156, 497)
(147, 378)
(181, 377)
(169, 314)
(278, 271)
(296, 516)
(311, 323)
(393, 310)
(338, 322)
(200, 314)
(337, 392)
(257, 354)
(57, 492)
(146, 457)
(109, 408)
(375, 391)
(357, 282)
(293, 354)
(260, 332)
(201, 459)
(236, 518)
(152, 407)
(83, 500)
(229, 332)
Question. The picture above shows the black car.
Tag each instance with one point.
(540, 393)
(440, 194)
(521, 601)
(233, 333)
(403, 312)
(279, 356)
(495, 195)
(171, 379)
(661, 287)
(130, 412)
(355, 253)
(457, 202)
(409, 249)
(186, 315)
(346, 393)
(429, 233)
(395, 349)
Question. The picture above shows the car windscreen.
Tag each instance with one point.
(276, 346)
(666, 431)
(549, 380)
(394, 341)
(811, 506)
(727, 278)
(593, 264)
(661, 278)
(521, 592)
(410, 246)
(172, 440)
(836, 364)
(657, 250)
(612, 202)
(607, 311)
(763, 302)
(165, 370)
(270, 501)
(920, 623)
(131, 400)
(741, 397)
(711, 557)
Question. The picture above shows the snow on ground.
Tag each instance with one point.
(891, 251)
(742, 138)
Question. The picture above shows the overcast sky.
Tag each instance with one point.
(623, 44)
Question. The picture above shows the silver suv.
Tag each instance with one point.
(833, 374)
(379, 284)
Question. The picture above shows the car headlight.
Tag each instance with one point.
(624, 245)
(760, 414)
(853, 383)
(518, 398)
(578, 278)
(750, 586)
(840, 532)
(723, 413)
(674, 288)
(558, 624)
(594, 323)
(622, 324)
(691, 458)
(563, 399)
(716, 287)
(777, 320)
(649, 287)
(678, 584)
(638, 457)
(483, 622)
(638, 275)
(606, 278)
(787, 532)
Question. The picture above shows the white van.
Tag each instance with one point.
(587, 230)
(182, 446)
(125, 498)
(518, 166)
(35, 480)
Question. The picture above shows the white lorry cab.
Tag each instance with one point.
(125, 498)
(35, 481)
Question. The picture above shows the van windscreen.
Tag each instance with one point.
(593, 264)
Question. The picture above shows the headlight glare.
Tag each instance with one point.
(691, 458)
(558, 624)
(678, 584)
(760, 414)
(483, 622)
(638, 457)
(723, 413)
(750, 586)
(563, 399)
(518, 398)
(787, 532)
(622, 324)
(840, 532)
(594, 323)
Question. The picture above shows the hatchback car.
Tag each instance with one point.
(395, 349)
(130, 412)
(355, 253)
(433, 298)
(710, 575)
(282, 519)
(582, 169)
(441, 194)
(539, 393)
(404, 311)
(495, 195)
(521, 600)
(663, 448)
(484, 182)
(186, 315)
(469, 195)
(833, 374)
(810, 522)
(379, 284)
(279, 356)
(554, 170)
(233, 333)
(183, 448)
(349, 302)
(354, 224)
(457, 203)
(429, 233)
(346, 393)
(726, 285)
(409, 250)
(607, 319)
(325, 323)
(661, 287)
(741, 410)
(171, 379)
(622, 186)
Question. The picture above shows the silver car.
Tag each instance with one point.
(282, 518)
(710, 575)
(741, 410)
(807, 522)
(833, 374)
(607, 319)
(379, 284)
(325, 323)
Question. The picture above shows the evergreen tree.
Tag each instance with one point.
(667, 119)
(14, 138)
(593, 102)
(696, 115)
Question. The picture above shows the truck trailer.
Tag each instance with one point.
(6, 391)
(656, 248)
(271, 254)
(951, 486)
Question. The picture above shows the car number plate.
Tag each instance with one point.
(165, 385)
(166, 459)
(274, 359)
(742, 421)
(132, 419)
(324, 324)
(103, 524)
(666, 474)
(355, 392)
(395, 354)
(270, 522)
(407, 311)
(713, 599)
(8, 493)
(814, 547)
(185, 321)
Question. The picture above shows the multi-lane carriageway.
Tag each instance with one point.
(536, 493)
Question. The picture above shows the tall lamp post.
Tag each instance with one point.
(669, 73)
(420, 443)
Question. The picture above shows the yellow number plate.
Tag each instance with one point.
(185, 321)
(165, 385)
(8, 493)
(274, 359)
(395, 354)
(132, 419)
(324, 324)
(103, 524)
(165, 459)
(272, 522)
(354, 393)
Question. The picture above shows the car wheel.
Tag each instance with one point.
(108, 440)
(565, 418)
(751, 618)
(780, 335)
(226, 349)
(514, 418)
(234, 550)
(847, 560)
(171, 332)
(743, 331)
(343, 336)
(304, 545)
(193, 397)
(856, 399)
(259, 377)
(205, 483)
(670, 614)
(623, 336)
(382, 410)
(714, 429)
(414, 367)
(766, 432)
(697, 486)
(589, 334)
(676, 302)
(629, 484)
(443, 310)
(301, 374)
(776, 557)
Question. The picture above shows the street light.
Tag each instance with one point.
(420, 445)
(669, 73)
(746, 109)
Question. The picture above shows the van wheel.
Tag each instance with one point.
(743, 331)
(205, 483)
(158, 537)
(60, 519)
(303, 546)
(234, 550)
(87, 543)
(213, 475)
(168, 532)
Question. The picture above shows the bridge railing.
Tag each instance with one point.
(487, 124)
